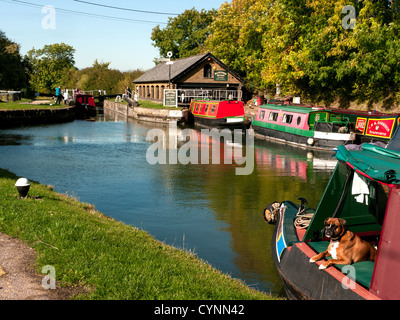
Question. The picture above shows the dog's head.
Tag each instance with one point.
(334, 228)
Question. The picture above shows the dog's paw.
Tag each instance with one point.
(322, 267)
(312, 260)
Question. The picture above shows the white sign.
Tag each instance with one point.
(170, 98)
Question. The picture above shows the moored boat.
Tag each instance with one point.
(364, 190)
(315, 128)
(371, 126)
(85, 106)
(219, 114)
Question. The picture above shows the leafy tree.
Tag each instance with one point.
(302, 45)
(12, 71)
(184, 35)
(100, 77)
(49, 67)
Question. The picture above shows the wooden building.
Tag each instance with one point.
(200, 76)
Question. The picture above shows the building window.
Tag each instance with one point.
(207, 71)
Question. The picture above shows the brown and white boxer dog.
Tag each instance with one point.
(345, 247)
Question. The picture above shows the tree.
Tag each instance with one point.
(100, 77)
(184, 35)
(303, 46)
(236, 37)
(50, 66)
(12, 70)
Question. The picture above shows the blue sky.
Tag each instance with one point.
(121, 37)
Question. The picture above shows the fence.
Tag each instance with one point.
(186, 95)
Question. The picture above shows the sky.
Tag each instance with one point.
(109, 31)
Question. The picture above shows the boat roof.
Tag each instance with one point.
(377, 163)
(291, 108)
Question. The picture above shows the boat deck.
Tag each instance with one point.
(362, 272)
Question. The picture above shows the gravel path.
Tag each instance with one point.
(18, 278)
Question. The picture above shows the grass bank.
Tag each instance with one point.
(115, 260)
(26, 104)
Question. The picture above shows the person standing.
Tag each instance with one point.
(58, 95)
(66, 97)
(128, 92)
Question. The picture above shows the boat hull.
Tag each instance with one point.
(85, 111)
(320, 140)
(221, 123)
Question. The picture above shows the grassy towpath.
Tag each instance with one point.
(112, 260)
(24, 104)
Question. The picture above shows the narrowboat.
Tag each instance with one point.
(85, 106)
(364, 190)
(315, 128)
(219, 114)
(371, 126)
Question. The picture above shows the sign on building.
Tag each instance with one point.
(170, 98)
(220, 75)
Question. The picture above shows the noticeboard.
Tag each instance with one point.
(170, 98)
(220, 75)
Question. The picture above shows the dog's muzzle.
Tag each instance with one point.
(329, 231)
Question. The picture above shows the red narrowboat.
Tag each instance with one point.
(85, 106)
(226, 114)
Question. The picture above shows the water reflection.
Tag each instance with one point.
(206, 208)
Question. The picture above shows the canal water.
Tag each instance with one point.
(207, 209)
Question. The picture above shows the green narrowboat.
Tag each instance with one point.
(314, 128)
(364, 190)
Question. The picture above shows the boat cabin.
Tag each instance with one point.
(85, 99)
(216, 109)
(303, 118)
(371, 125)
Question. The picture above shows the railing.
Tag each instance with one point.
(92, 92)
(186, 95)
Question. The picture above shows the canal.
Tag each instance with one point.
(204, 208)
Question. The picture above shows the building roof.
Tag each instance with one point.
(160, 72)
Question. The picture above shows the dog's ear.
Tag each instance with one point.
(342, 222)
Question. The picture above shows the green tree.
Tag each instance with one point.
(302, 45)
(184, 35)
(101, 77)
(236, 38)
(12, 70)
(50, 66)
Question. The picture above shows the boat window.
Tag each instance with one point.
(197, 107)
(213, 108)
(298, 120)
(273, 116)
(287, 118)
(206, 109)
(262, 114)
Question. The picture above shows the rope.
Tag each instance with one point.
(303, 219)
